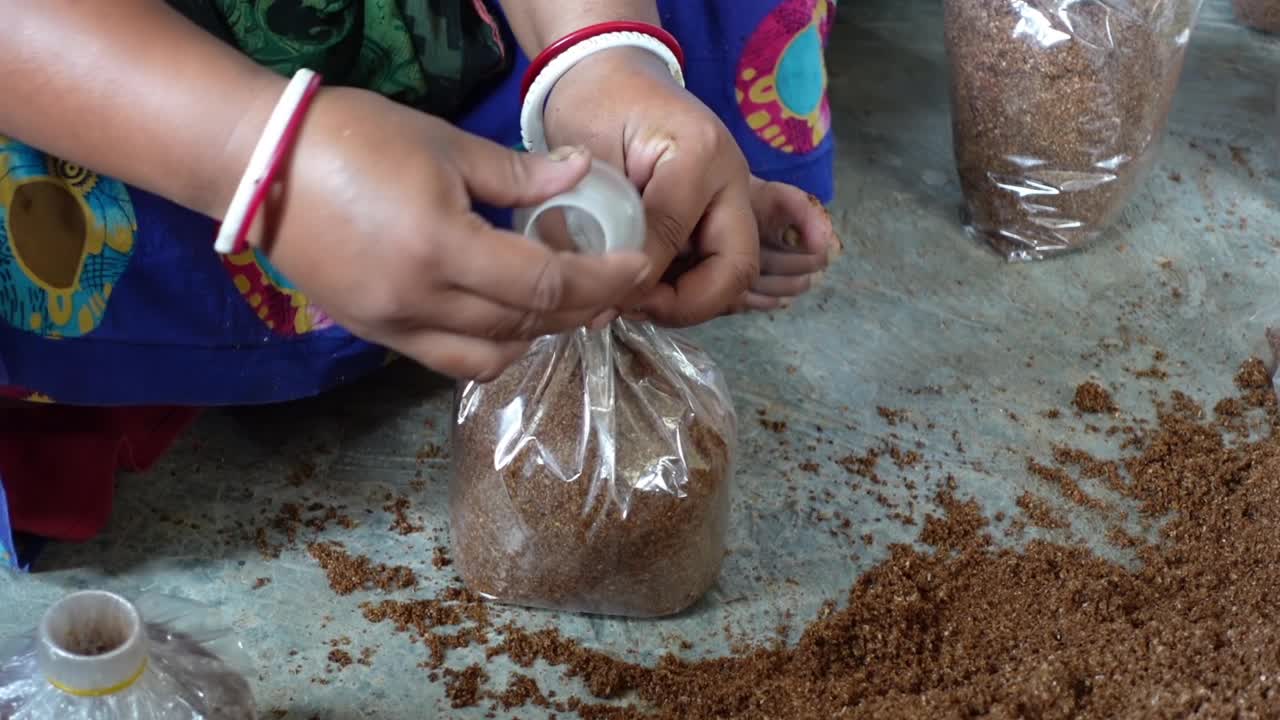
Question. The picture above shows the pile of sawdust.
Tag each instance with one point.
(970, 629)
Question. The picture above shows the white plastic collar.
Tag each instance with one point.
(606, 196)
(92, 644)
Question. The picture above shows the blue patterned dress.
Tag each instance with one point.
(113, 296)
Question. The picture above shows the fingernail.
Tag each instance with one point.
(816, 279)
(602, 320)
(791, 237)
(785, 303)
(643, 277)
(561, 154)
(836, 249)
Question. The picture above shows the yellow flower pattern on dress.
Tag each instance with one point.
(782, 77)
(66, 237)
(279, 305)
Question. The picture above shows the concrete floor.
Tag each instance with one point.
(917, 317)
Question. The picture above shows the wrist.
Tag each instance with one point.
(268, 165)
(617, 62)
(606, 53)
(576, 87)
(214, 187)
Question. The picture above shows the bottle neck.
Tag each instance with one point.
(603, 213)
(92, 644)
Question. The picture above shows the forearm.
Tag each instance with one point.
(131, 89)
(538, 23)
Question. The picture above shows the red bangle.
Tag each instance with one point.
(263, 182)
(558, 47)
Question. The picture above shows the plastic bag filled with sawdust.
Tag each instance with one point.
(594, 475)
(1058, 107)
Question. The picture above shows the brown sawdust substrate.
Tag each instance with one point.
(289, 522)
(463, 687)
(622, 545)
(1065, 483)
(340, 657)
(1040, 512)
(400, 523)
(1261, 15)
(348, 573)
(454, 607)
(1036, 109)
(970, 629)
(1051, 632)
(1092, 398)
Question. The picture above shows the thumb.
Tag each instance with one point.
(505, 178)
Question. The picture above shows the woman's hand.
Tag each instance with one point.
(374, 223)
(797, 244)
(703, 241)
(720, 241)
(374, 218)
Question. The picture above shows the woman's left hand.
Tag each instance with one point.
(703, 241)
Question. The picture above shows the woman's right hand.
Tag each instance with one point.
(374, 223)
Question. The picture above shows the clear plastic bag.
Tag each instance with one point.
(1261, 15)
(594, 475)
(95, 657)
(1058, 107)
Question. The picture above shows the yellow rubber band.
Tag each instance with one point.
(101, 692)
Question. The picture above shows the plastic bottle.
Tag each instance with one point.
(93, 657)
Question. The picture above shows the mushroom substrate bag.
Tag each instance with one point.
(594, 475)
(1058, 107)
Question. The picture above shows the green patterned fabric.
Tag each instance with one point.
(431, 54)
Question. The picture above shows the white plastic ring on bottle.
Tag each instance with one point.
(532, 131)
(604, 196)
(92, 644)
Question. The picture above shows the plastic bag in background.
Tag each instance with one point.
(1263, 15)
(1057, 110)
(96, 656)
(594, 475)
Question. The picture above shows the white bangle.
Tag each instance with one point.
(264, 161)
(532, 131)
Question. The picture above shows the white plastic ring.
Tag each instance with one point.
(605, 196)
(260, 161)
(532, 130)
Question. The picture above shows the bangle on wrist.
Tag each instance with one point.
(277, 139)
(552, 63)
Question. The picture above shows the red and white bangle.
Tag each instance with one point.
(278, 138)
(552, 63)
